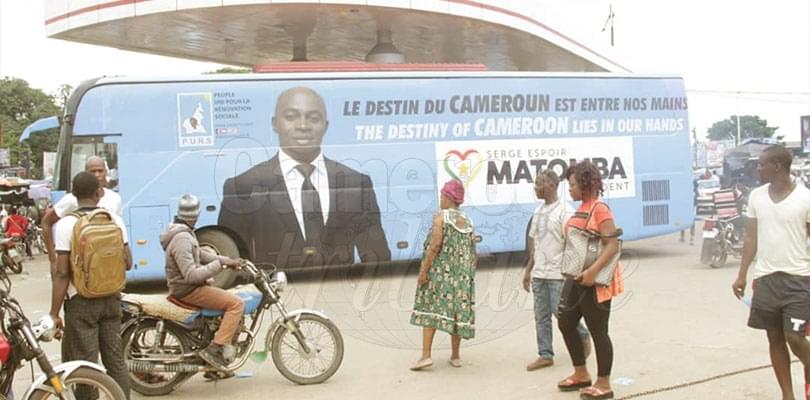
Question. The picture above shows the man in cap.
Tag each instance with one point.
(188, 268)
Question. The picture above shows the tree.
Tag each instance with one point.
(61, 96)
(229, 70)
(21, 105)
(751, 126)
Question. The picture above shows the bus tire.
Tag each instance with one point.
(221, 244)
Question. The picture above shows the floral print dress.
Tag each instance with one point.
(446, 302)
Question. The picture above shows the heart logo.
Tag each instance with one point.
(463, 166)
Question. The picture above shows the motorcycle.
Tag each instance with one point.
(19, 342)
(721, 238)
(12, 253)
(34, 237)
(161, 337)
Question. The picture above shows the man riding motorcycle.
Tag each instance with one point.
(17, 226)
(188, 268)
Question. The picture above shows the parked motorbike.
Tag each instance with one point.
(19, 342)
(161, 338)
(34, 237)
(12, 253)
(721, 238)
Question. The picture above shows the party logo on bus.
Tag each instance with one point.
(464, 165)
(195, 122)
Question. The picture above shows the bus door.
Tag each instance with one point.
(152, 219)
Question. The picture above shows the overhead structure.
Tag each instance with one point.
(503, 35)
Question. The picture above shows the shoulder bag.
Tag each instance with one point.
(583, 246)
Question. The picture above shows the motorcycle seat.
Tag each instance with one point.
(180, 303)
(159, 306)
(731, 218)
(174, 309)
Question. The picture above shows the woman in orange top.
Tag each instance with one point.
(580, 298)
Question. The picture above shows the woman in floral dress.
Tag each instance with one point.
(445, 294)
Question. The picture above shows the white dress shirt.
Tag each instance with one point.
(294, 180)
(111, 201)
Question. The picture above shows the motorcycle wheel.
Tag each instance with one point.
(103, 386)
(138, 341)
(9, 262)
(719, 255)
(326, 350)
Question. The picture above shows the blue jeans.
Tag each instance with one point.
(547, 302)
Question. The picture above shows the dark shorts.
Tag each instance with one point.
(781, 301)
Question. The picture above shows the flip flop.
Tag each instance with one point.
(456, 362)
(594, 393)
(570, 385)
(422, 364)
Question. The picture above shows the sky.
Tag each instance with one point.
(721, 47)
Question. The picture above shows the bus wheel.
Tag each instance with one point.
(221, 244)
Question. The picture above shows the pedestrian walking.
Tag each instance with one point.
(580, 297)
(542, 275)
(777, 233)
(88, 278)
(445, 294)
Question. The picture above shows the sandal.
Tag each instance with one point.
(570, 385)
(421, 364)
(456, 362)
(594, 393)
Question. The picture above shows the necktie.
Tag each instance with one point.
(310, 205)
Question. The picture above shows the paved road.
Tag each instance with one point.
(677, 322)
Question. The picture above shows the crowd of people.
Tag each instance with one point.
(91, 326)
(778, 227)
(445, 294)
(776, 235)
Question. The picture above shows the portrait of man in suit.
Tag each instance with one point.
(301, 208)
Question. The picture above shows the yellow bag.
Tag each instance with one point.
(97, 256)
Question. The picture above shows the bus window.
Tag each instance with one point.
(86, 146)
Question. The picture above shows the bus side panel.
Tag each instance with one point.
(394, 143)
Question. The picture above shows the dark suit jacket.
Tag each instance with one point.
(257, 207)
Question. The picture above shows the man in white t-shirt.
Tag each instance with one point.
(777, 234)
(110, 201)
(91, 326)
(544, 263)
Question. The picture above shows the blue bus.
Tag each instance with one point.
(300, 170)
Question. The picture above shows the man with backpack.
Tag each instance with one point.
(92, 260)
